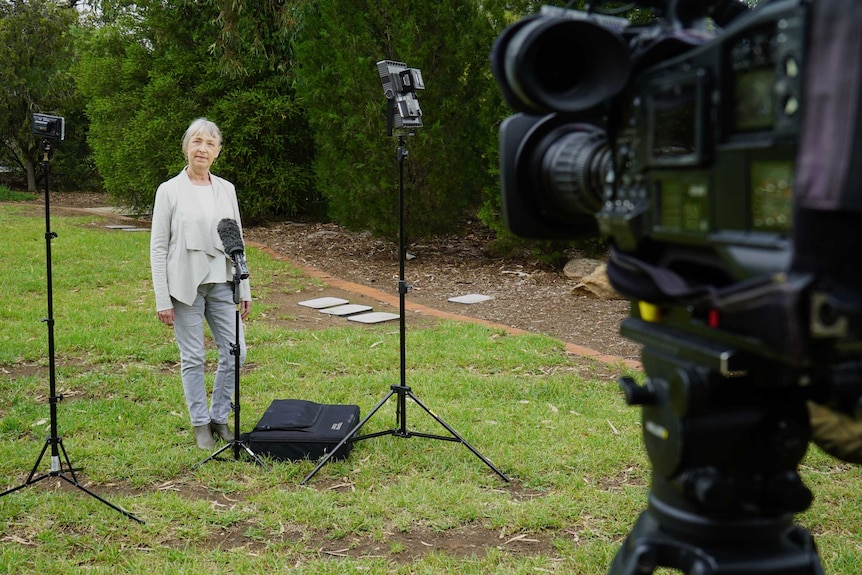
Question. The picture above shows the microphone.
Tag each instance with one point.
(231, 238)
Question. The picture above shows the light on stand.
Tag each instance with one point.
(403, 114)
(49, 128)
(400, 84)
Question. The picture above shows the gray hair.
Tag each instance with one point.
(201, 126)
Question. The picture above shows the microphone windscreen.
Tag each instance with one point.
(231, 238)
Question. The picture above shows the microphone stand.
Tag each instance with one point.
(67, 474)
(402, 391)
(236, 443)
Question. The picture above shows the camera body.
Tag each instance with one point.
(690, 153)
(49, 127)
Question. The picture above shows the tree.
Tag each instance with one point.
(34, 77)
(331, 48)
(142, 80)
(338, 45)
(146, 78)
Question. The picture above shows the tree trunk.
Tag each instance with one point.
(31, 175)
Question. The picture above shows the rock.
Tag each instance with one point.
(579, 267)
(322, 235)
(596, 284)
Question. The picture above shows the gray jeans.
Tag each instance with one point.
(214, 303)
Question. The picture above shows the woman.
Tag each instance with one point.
(193, 277)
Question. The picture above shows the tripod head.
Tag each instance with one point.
(724, 432)
(47, 150)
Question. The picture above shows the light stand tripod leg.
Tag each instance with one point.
(402, 391)
(60, 473)
(30, 479)
(54, 441)
(214, 455)
(456, 437)
(350, 436)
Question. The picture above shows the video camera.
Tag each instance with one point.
(678, 141)
(659, 135)
(701, 146)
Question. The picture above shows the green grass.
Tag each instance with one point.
(7, 194)
(566, 439)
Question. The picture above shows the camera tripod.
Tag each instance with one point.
(402, 391)
(725, 438)
(237, 442)
(54, 441)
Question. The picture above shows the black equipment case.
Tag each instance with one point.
(295, 429)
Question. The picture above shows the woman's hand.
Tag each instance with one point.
(244, 308)
(166, 316)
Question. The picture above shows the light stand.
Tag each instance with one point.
(236, 443)
(67, 474)
(401, 391)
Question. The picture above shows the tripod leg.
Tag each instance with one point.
(30, 479)
(106, 502)
(74, 481)
(38, 461)
(62, 449)
(222, 449)
(350, 435)
(252, 454)
(457, 436)
(235, 445)
(648, 547)
(60, 473)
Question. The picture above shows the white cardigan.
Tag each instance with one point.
(181, 246)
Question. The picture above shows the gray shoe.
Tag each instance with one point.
(222, 430)
(204, 437)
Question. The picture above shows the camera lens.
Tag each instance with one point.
(553, 175)
(574, 167)
(548, 64)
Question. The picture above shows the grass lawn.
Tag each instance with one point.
(556, 425)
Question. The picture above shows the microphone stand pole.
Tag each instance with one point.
(67, 474)
(236, 443)
(402, 391)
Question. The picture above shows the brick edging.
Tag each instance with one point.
(394, 301)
